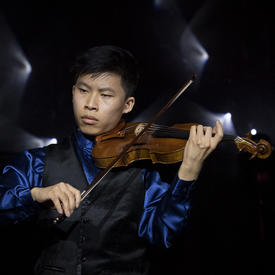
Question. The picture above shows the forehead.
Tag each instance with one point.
(103, 78)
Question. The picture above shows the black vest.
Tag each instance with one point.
(101, 236)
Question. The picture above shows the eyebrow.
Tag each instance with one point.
(84, 84)
(104, 89)
(107, 89)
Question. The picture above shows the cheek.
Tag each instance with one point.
(112, 113)
(76, 104)
(115, 109)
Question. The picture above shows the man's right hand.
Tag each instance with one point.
(64, 197)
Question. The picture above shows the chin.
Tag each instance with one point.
(89, 131)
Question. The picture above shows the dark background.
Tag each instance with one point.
(229, 45)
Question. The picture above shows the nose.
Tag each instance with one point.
(91, 102)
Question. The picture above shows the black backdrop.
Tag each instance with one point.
(230, 47)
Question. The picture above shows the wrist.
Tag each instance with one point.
(188, 172)
(33, 193)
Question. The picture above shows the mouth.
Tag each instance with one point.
(90, 120)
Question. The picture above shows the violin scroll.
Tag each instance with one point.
(261, 149)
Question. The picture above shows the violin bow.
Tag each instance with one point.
(104, 172)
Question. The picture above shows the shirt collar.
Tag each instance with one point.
(83, 142)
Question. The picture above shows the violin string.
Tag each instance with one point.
(161, 128)
(170, 130)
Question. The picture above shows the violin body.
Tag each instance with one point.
(158, 149)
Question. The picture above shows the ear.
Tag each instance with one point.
(128, 105)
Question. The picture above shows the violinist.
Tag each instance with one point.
(131, 209)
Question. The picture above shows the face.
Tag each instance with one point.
(99, 102)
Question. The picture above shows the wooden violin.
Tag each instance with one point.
(160, 144)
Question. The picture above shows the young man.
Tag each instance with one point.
(108, 232)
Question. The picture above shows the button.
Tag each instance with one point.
(83, 259)
(84, 220)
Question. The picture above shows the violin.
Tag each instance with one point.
(160, 144)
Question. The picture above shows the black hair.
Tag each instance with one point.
(109, 58)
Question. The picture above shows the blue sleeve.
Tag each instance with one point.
(166, 208)
(16, 181)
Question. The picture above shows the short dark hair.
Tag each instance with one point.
(109, 58)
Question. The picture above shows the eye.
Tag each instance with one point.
(106, 95)
(82, 90)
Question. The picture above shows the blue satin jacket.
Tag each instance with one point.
(166, 205)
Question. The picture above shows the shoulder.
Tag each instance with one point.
(26, 162)
(32, 158)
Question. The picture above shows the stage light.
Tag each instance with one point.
(194, 56)
(225, 119)
(53, 141)
(253, 132)
(46, 141)
(28, 67)
(227, 116)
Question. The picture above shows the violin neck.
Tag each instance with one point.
(262, 149)
(170, 132)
